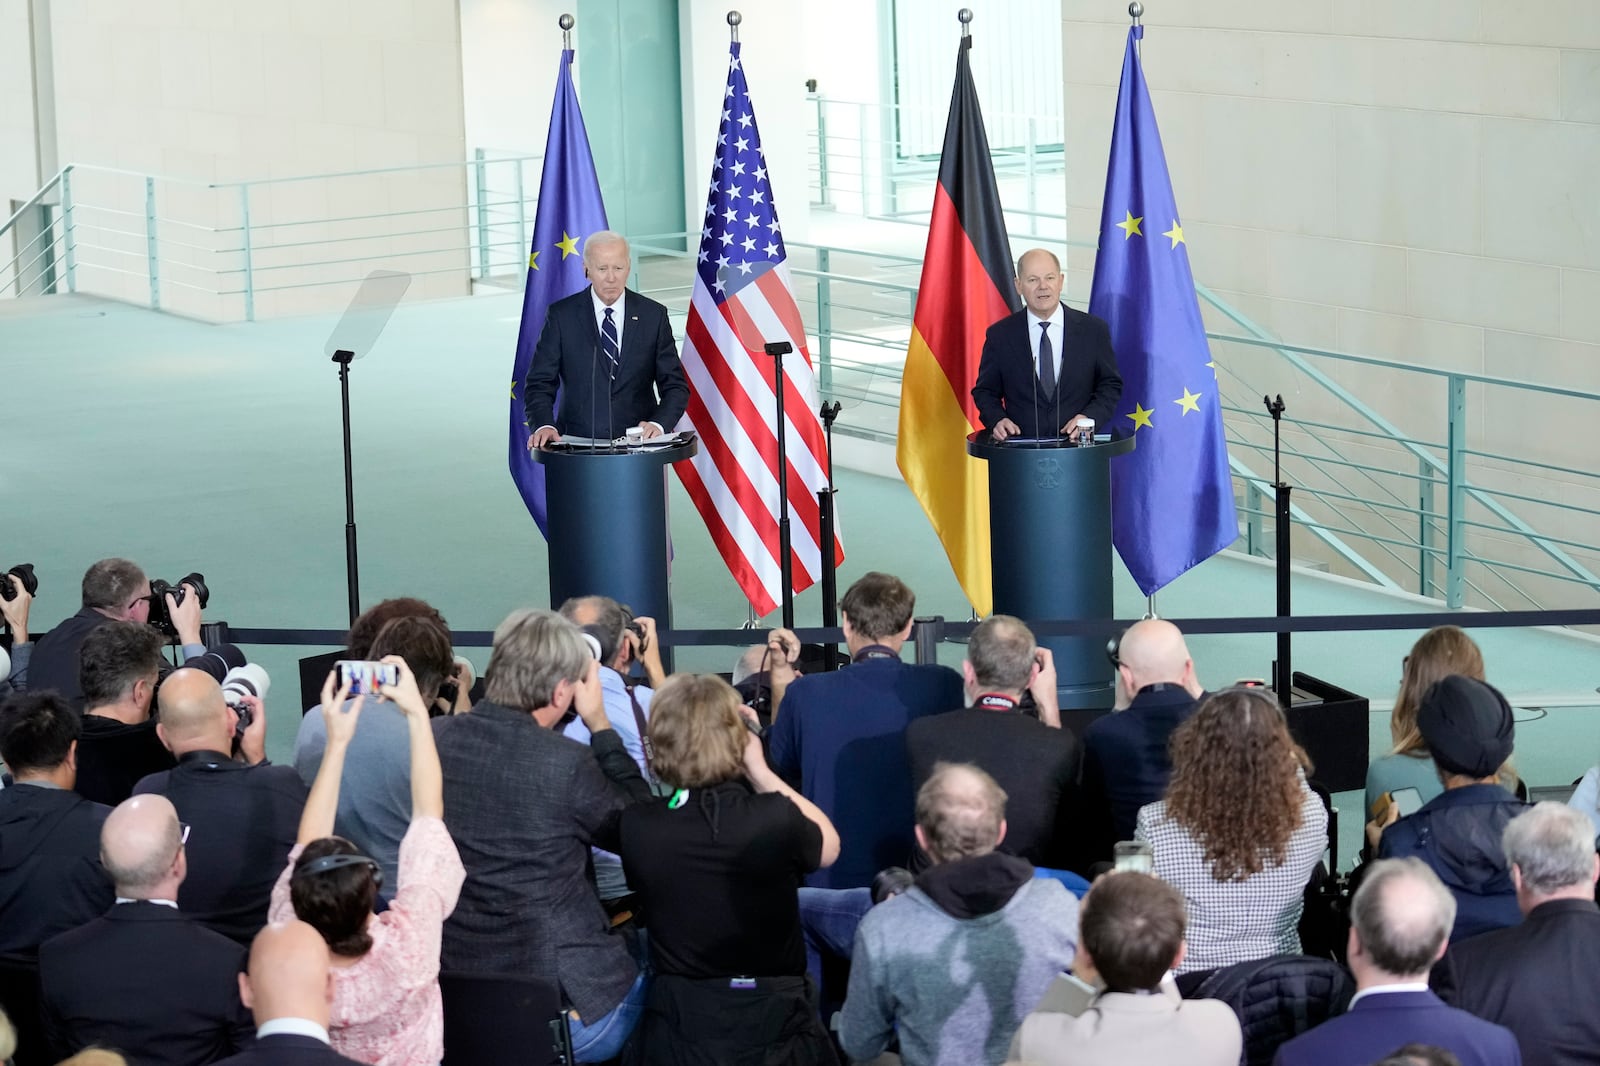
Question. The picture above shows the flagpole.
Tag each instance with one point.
(1136, 12)
(566, 22)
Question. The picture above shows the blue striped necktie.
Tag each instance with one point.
(609, 345)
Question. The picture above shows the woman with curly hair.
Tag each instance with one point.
(1438, 653)
(1239, 831)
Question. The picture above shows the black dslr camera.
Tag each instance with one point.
(21, 574)
(160, 616)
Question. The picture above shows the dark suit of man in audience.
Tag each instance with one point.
(245, 814)
(610, 351)
(115, 590)
(50, 874)
(1539, 978)
(144, 978)
(840, 738)
(119, 666)
(289, 990)
(1400, 925)
(524, 804)
(1046, 368)
(1033, 759)
(1126, 760)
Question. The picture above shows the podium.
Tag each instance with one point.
(607, 511)
(1050, 548)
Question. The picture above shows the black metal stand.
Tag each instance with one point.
(778, 349)
(830, 577)
(1282, 672)
(352, 580)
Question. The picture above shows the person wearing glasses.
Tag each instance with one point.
(116, 590)
(144, 977)
(386, 1007)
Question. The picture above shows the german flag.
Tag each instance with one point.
(965, 288)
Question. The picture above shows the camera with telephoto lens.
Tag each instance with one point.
(242, 681)
(21, 574)
(160, 615)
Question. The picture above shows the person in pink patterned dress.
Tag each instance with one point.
(386, 1005)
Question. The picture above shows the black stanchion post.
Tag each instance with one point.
(352, 580)
(830, 576)
(927, 632)
(778, 349)
(1282, 671)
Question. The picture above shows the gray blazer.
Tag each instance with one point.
(524, 804)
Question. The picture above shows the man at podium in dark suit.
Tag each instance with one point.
(611, 353)
(1047, 368)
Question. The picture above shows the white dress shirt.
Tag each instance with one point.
(1377, 990)
(1056, 319)
(292, 1027)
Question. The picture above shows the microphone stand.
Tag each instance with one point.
(1282, 672)
(778, 349)
(343, 357)
(830, 578)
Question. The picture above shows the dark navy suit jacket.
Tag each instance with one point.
(840, 739)
(1536, 979)
(1379, 1024)
(1087, 384)
(1126, 762)
(569, 356)
(146, 980)
(286, 1049)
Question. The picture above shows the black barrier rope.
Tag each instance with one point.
(1320, 623)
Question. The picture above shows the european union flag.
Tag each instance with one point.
(1171, 497)
(569, 210)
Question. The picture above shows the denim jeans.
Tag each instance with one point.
(602, 1039)
(828, 920)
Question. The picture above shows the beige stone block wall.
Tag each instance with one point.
(1406, 181)
(207, 94)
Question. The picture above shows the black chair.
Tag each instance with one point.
(492, 1020)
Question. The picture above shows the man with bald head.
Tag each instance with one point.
(144, 978)
(1026, 751)
(1046, 369)
(1400, 923)
(290, 989)
(1126, 763)
(245, 813)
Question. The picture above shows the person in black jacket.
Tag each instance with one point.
(1538, 978)
(1032, 758)
(245, 815)
(144, 978)
(119, 667)
(50, 874)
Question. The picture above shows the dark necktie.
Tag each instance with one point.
(609, 345)
(1047, 361)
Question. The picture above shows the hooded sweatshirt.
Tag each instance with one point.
(957, 962)
(51, 879)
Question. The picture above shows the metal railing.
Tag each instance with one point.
(1427, 494)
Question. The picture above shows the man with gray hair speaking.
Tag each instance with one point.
(1400, 923)
(610, 351)
(143, 977)
(1538, 978)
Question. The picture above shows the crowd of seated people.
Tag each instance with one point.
(891, 862)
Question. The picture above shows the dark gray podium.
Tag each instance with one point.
(608, 524)
(1050, 547)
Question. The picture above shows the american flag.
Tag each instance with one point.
(742, 300)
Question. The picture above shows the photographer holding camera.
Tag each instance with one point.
(116, 590)
(17, 587)
(244, 815)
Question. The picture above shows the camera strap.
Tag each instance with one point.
(996, 701)
(644, 734)
(874, 651)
